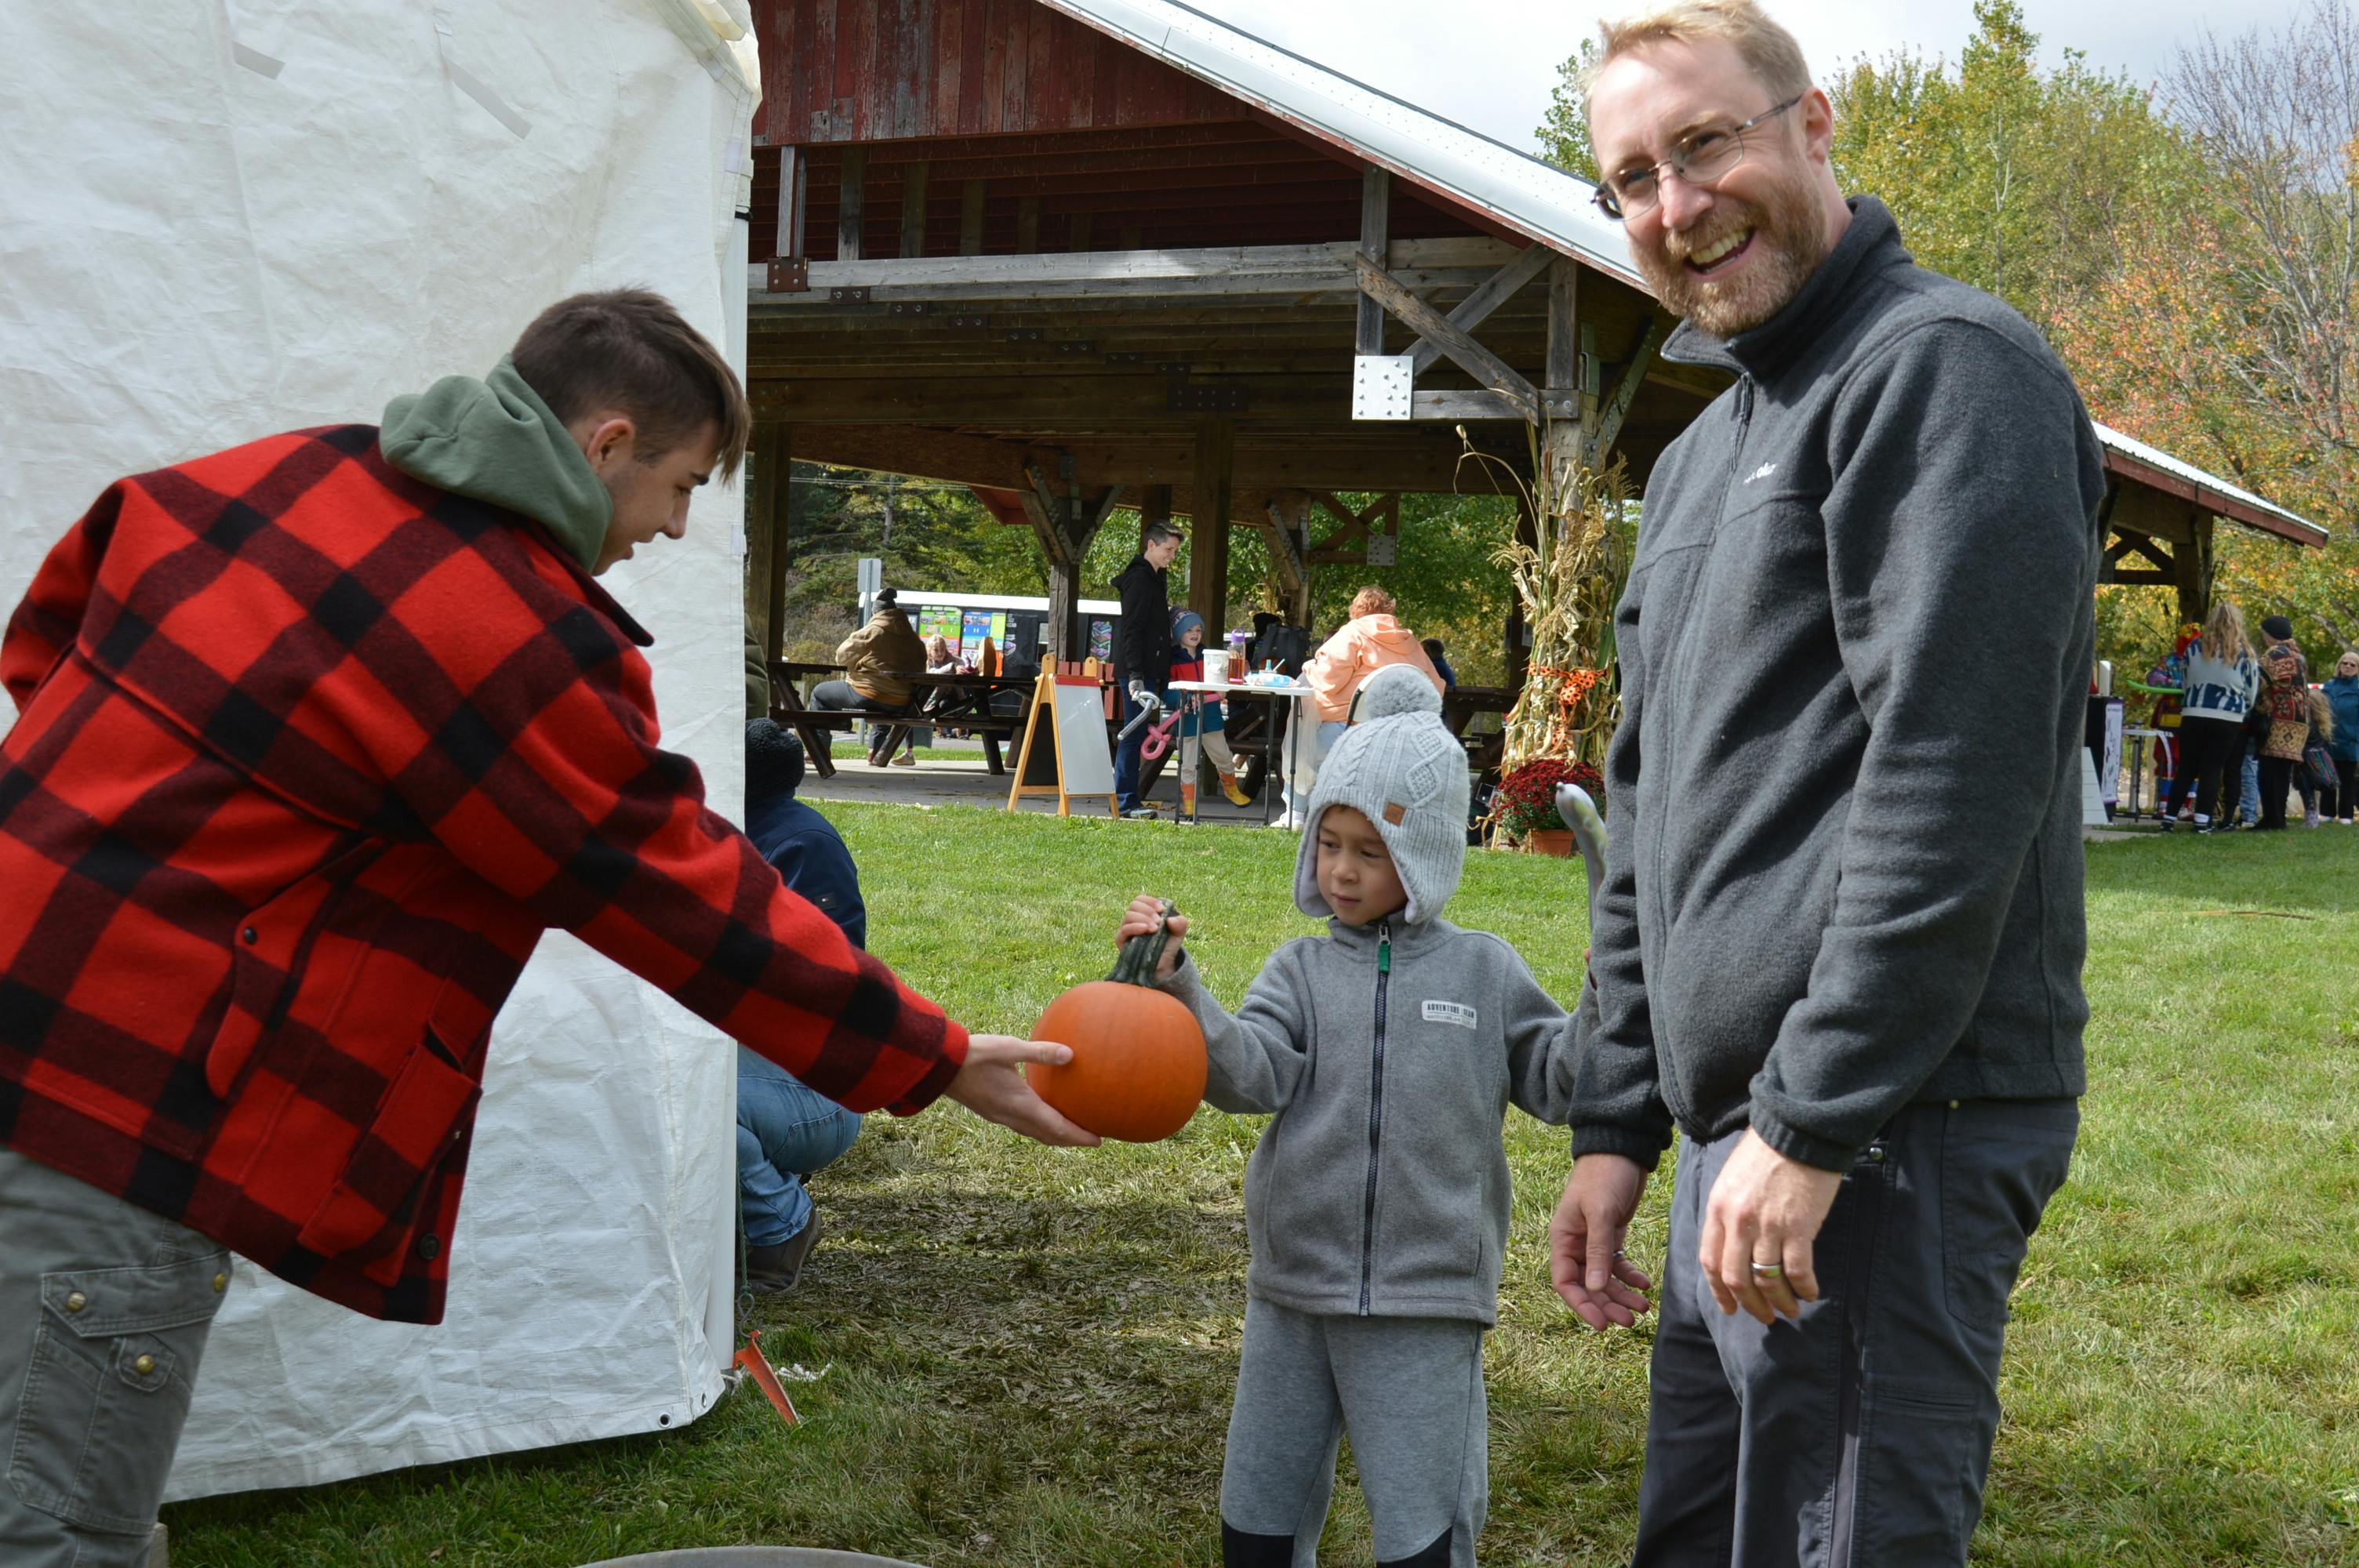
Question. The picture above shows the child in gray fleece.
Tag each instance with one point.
(1376, 1201)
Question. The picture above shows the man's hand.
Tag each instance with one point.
(1585, 1237)
(989, 1086)
(1141, 919)
(1763, 1214)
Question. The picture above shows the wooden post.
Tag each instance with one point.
(971, 217)
(1376, 228)
(793, 172)
(2191, 561)
(1560, 438)
(913, 209)
(1289, 563)
(852, 204)
(1207, 548)
(767, 546)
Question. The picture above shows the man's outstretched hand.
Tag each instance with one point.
(1585, 1239)
(990, 1085)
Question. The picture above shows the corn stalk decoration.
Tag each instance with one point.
(1569, 582)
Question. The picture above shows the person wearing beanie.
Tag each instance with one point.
(2284, 702)
(788, 1130)
(1376, 1202)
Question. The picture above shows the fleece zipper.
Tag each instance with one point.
(1376, 1117)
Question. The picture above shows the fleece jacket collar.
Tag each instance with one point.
(494, 440)
(1870, 245)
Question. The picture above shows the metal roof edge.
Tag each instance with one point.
(2127, 454)
(1335, 120)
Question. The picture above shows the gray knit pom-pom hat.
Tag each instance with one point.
(1404, 771)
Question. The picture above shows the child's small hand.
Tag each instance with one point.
(1145, 913)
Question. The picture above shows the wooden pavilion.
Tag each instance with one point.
(1082, 254)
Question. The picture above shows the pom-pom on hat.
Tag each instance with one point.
(1404, 771)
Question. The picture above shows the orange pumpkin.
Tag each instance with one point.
(1137, 1071)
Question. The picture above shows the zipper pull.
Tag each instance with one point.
(1385, 948)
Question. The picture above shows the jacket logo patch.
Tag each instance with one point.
(1763, 471)
(1456, 1012)
(1394, 812)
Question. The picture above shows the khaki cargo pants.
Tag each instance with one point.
(103, 1312)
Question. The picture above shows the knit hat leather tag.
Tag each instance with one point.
(1395, 811)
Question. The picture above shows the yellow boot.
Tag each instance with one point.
(1229, 787)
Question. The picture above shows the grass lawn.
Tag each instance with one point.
(1032, 1351)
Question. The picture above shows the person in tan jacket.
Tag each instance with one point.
(877, 660)
(1372, 638)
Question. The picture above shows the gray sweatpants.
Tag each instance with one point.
(1860, 1436)
(103, 1312)
(1409, 1391)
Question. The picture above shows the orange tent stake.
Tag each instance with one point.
(757, 1366)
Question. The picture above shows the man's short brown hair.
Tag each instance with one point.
(629, 351)
(1768, 50)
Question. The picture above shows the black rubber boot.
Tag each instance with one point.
(1436, 1555)
(1239, 1550)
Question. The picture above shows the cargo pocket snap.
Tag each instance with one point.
(107, 1392)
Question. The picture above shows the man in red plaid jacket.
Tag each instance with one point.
(315, 737)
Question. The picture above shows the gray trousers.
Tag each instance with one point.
(1409, 1391)
(1861, 1434)
(103, 1312)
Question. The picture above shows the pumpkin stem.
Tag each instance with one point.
(1136, 964)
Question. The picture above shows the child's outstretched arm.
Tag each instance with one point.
(1254, 1056)
(1543, 1044)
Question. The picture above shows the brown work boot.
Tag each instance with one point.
(774, 1271)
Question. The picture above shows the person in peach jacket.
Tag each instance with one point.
(1372, 638)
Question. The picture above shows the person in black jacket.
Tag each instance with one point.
(1142, 652)
(1854, 989)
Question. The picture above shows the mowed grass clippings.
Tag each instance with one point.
(1030, 1352)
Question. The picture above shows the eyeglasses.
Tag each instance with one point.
(1700, 159)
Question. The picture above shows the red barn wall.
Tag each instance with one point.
(870, 71)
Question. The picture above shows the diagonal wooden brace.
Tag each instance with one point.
(1487, 368)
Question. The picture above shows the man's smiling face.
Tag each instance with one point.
(1729, 254)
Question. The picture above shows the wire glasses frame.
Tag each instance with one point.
(1703, 158)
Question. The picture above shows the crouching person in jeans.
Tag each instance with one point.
(1376, 1201)
(787, 1132)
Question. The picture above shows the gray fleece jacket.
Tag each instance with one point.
(1390, 1055)
(1846, 867)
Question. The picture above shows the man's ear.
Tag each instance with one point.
(1816, 114)
(606, 439)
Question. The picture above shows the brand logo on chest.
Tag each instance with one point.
(1456, 1012)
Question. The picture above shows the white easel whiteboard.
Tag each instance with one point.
(1082, 759)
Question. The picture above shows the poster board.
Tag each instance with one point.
(1065, 751)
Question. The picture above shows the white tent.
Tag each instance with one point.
(225, 218)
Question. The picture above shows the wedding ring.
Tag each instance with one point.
(1768, 1271)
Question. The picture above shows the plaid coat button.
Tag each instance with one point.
(428, 1247)
(249, 936)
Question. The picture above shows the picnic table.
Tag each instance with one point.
(950, 701)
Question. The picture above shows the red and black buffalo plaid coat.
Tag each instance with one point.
(309, 753)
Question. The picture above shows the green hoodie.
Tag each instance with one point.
(494, 440)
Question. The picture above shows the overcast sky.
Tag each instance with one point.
(1489, 64)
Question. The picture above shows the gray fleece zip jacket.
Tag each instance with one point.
(1845, 871)
(1390, 1055)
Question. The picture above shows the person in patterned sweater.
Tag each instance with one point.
(315, 737)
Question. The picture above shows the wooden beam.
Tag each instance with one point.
(2127, 545)
(1284, 270)
(793, 176)
(1376, 250)
(1453, 407)
(1469, 355)
(1286, 529)
(1562, 441)
(913, 210)
(1626, 392)
(851, 203)
(1208, 542)
(1051, 517)
(970, 206)
(1476, 307)
(768, 545)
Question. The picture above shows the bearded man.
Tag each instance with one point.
(1840, 938)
